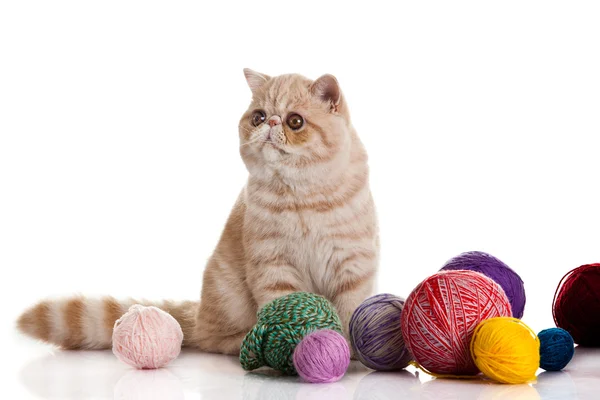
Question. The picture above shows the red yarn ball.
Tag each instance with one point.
(576, 306)
(441, 314)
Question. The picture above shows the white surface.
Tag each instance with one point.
(40, 374)
(119, 159)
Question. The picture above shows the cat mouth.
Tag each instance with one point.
(275, 146)
(271, 143)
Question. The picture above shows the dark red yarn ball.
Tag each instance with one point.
(576, 306)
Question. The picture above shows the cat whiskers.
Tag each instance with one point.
(246, 129)
(258, 137)
(252, 141)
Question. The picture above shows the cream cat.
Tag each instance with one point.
(305, 221)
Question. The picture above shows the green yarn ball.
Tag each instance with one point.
(281, 325)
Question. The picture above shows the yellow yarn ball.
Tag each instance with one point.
(506, 350)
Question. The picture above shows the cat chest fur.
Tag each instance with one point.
(313, 242)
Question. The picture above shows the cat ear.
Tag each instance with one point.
(328, 90)
(255, 79)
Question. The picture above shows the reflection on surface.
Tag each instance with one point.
(497, 391)
(99, 375)
(453, 389)
(555, 386)
(73, 375)
(404, 385)
(157, 384)
(388, 386)
(272, 387)
(586, 360)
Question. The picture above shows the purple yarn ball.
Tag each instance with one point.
(495, 269)
(322, 356)
(376, 335)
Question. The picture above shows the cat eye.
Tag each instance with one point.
(258, 117)
(295, 121)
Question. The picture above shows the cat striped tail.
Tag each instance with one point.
(87, 323)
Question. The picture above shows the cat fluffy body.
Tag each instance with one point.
(305, 221)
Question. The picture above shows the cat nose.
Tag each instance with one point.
(274, 120)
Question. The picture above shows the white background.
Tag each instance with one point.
(118, 136)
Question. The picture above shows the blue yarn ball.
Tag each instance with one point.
(556, 349)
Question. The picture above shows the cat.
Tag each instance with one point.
(305, 221)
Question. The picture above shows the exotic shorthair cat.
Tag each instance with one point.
(305, 221)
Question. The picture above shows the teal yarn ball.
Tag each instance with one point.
(281, 325)
(556, 349)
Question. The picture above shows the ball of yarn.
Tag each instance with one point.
(556, 349)
(440, 315)
(506, 350)
(495, 269)
(376, 335)
(322, 356)
(146, 337)
(577, 304)
(281, 325)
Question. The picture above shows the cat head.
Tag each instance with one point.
(293, 123)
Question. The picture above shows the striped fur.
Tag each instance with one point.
(305, 221)
(87, 323)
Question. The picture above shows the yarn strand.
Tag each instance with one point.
(250, 353)
(281, 325)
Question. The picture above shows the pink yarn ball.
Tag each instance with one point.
(322, 356)
(441, 314)
(146, 337)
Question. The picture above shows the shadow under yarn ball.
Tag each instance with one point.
(281, 325)
(577, 305)
(376, 334)
(499, 272)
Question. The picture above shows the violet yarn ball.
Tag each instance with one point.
(146, 337)
(376, 334)
(322, 356)
(499, 272)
